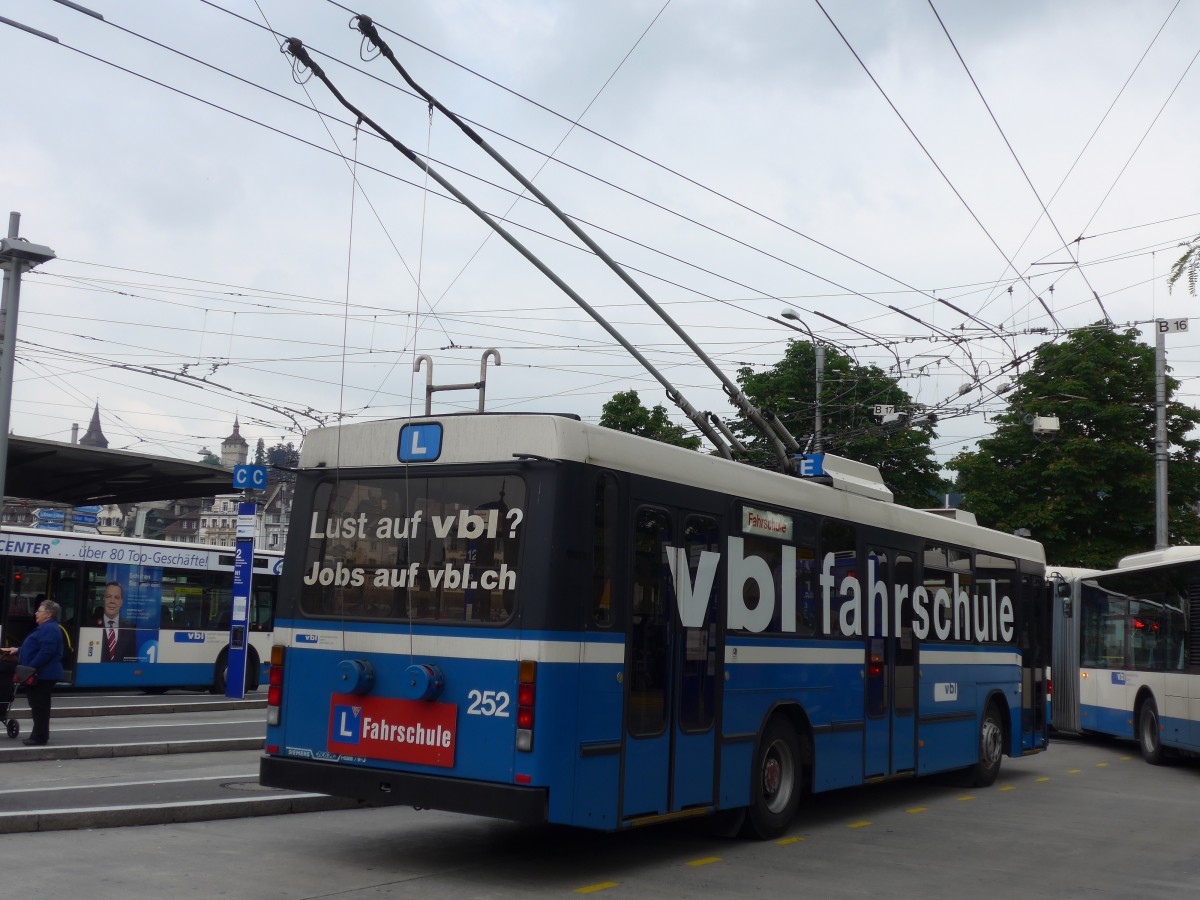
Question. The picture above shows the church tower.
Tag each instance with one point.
(234, 449)
(95, 437)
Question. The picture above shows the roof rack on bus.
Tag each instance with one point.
(1157, 557)
(958, 515)
(853, 477)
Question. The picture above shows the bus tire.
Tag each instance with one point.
(1149, 739)
(776, 781)
(253, 669)
(221, 671)
(218, 682)
(991, 748)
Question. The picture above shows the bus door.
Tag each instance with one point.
(891, 666)
(31, 582)
(671, 664)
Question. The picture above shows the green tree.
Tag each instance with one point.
(625, 412)
(282, 457)
(207, 456)
(1187, 267)
(849, 391)
(1086, 491)
(260, 453)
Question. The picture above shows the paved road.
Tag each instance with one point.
(1082, 820)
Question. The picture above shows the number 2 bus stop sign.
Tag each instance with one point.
(239, 620)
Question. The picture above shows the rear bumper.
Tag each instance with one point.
(480, 798)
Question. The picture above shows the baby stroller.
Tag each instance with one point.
(8, 690)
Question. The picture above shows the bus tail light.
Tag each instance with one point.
(526, 692)
(275, 685)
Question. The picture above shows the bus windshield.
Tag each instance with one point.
(425, 548)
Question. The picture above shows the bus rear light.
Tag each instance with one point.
(526, 692)
(275, 685)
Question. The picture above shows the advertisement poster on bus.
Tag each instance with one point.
(140, 605)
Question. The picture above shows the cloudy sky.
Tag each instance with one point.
(865, 161)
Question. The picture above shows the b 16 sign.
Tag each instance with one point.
(407, 731)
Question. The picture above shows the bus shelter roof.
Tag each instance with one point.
(72, 473)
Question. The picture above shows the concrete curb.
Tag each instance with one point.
(53, 751)
(168, 813)
(21, 711)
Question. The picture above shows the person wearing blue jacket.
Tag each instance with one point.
(43, 650)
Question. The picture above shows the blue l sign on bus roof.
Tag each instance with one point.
(420, 443)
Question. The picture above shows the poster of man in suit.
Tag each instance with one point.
(119, 640)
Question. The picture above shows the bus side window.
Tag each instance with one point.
(604, 550)
(840, 540)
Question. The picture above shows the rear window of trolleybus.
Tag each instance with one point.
(435, 549)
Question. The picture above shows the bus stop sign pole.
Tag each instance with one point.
(239, 622)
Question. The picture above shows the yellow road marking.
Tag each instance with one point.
(1074, 771)
(917, 809)
(1101, 765)
(1126, 758)
(791, 840)
(592, 888)
(858, 824)
(1044, 778)
(1008, 787)
(967, 797)
(705, 861)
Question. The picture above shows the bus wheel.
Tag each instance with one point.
(991, 749)
(1148, 736)
(252, 671)
(221, 672)
(776, 784)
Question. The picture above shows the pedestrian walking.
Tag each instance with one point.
(42, 651)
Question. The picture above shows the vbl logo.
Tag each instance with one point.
(306, 639)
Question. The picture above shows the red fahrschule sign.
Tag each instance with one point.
(408, 731)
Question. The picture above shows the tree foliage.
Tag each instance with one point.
(849, 392)
(1087, 492)
(1187, 267)
(625, 412)
(207, 456)
(285, 455)
(260, 453)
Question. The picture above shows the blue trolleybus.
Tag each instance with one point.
(170, 603)
(529, 617)
(1126, 659)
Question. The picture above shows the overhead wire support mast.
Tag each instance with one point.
(297, 50)
(772, 429)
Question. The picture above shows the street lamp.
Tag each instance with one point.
(17, 256)
(819, 350)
